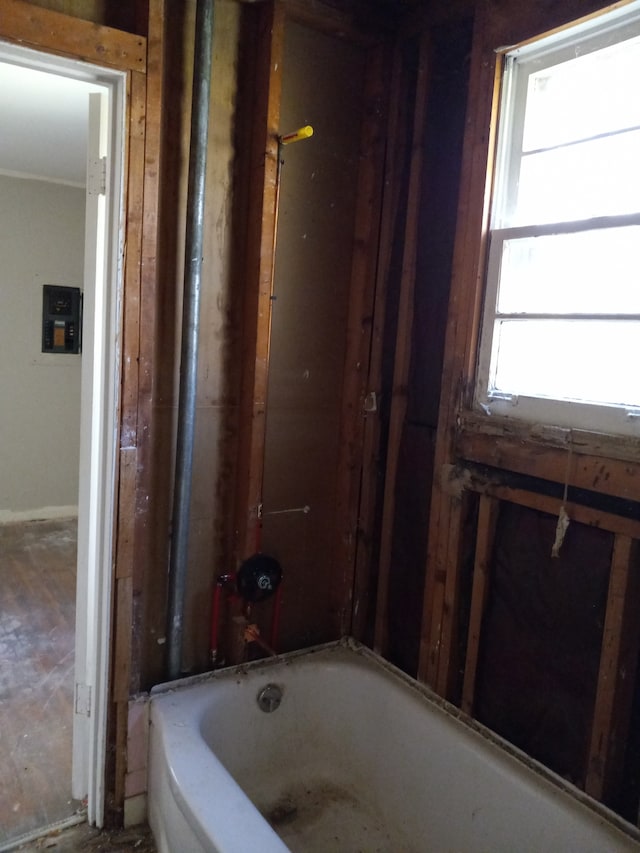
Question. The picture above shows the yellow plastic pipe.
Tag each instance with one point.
(302, 133)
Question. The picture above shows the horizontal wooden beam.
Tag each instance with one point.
(54, 32)
(461, 478)
(615, 477)
(353, 22)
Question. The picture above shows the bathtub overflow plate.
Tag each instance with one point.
(269, 698)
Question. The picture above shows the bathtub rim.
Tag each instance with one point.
(600, 810)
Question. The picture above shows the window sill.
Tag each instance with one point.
(587, 460)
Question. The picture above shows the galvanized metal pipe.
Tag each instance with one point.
(178, 559)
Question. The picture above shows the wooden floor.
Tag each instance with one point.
(84, 838)
(37, 628)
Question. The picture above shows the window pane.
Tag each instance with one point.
(588, 360)
(590, 272)
(596, 178)
(588, 95)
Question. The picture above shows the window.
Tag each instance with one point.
(560, 338)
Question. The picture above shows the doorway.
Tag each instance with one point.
(57, 499)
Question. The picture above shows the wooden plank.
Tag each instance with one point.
(345, 22)
(123, 597)
(358, 336)
(145, 186)
(550, 504)
(120, 758)
(449, 665)
(371, 485)
(259, 276)
(618, 663)
(614, 477)
(512, 22)
(126, 516)
(61, 34)
(595, 444)
(138, 343)
(487, 520)
(461, 330)
(132, 268)
(404, 337)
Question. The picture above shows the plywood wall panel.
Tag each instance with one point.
(310, 309)
(131, 17)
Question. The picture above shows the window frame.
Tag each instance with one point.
(517, 65)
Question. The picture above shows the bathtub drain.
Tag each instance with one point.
(269, 698)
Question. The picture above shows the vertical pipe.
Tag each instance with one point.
(190, 333)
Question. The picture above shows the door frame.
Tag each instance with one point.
(98, 443)
(118, 59)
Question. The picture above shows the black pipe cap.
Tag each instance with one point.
(258, 577)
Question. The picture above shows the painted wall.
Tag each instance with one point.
(41, 242)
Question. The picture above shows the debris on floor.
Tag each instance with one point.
(137, 839)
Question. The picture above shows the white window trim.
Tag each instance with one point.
(553, 49)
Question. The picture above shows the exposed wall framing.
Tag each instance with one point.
(138, 330)
(404, 329)
(367, 289)
(598, 475)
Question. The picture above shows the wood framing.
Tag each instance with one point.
(402, 352)
(143, 323)
(525, 464)
(602, 465)
(260, 252)
(54, 32)
(616, 677)
(487, 520)
(348, 525)
(460, 337)
(138, 330)
(616, 477)
(494, 487)
(355, 21)
(351, 530)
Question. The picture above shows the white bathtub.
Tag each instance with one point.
(357, 757)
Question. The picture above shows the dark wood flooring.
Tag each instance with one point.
(37, 630)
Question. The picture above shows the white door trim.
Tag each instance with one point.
(99, 438)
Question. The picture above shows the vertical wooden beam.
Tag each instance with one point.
(259, 275)
(148, 307)
(348, 533)
(138, 337)
(448, 658)
(487, 519)
(371, 475)
(404, 337)
(616, 678)
(132, 267)
(460, 342)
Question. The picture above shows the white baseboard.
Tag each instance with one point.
(45, 513)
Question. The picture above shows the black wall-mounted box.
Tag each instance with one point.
(61, 319)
